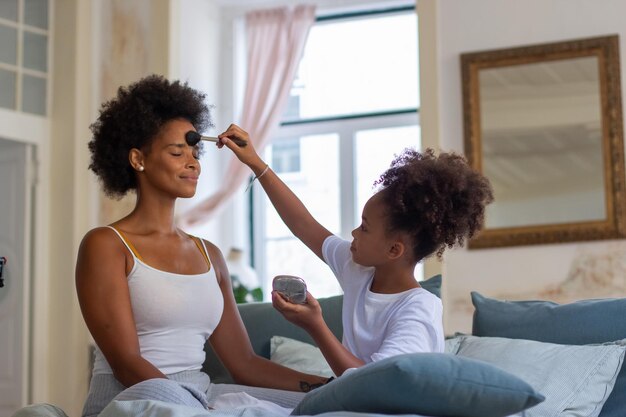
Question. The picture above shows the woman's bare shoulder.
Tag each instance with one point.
(216, 257)
(212, 247)
(101, 254)
(101, 238)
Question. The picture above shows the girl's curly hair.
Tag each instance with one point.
(438, 200)
(132, 119)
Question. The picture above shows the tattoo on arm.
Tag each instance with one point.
(306, 387)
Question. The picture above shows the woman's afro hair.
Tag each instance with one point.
(132, 119)
(438, 200)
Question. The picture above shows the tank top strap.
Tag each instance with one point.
(200, 244)
(127, 243)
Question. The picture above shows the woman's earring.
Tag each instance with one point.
(140, 168)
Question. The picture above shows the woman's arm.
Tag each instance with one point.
(291, 210)
(232, 344)
(104, 300)
(309, 317)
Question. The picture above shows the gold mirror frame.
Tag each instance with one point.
(606, 49)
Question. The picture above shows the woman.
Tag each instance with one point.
(151, 294)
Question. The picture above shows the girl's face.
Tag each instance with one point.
(371, 243)
(171, 165)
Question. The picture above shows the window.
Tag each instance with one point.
(24, 39)
(353, 106)
(286, 156)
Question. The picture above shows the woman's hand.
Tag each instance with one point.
(307, 315)
(246, 154)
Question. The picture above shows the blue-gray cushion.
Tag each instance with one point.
(578, 323)
(575, 379)
(437, 384)
(433, 285)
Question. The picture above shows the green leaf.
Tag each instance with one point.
(257, 294)
(240, 293)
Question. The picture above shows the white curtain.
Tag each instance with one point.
(275, 42)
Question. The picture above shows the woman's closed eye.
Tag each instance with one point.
(195, 154)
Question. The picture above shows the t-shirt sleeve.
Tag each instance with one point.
(414, 329)
(336, 252)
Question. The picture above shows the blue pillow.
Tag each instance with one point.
(578, 323)
(432, 285)
(436, 384)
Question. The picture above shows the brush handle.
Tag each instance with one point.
(239, 142)
(210, 139)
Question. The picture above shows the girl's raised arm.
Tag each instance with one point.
(291, 210)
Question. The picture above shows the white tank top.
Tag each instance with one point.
(174, 314)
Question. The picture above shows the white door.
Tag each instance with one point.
(15, 239)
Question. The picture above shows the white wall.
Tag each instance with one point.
(80, 79)
(63, 355)
(466, 26)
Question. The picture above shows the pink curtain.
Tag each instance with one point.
(275, 42)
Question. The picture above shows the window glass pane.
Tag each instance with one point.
(8, 45)
(36, 13)
(317, 184)
(34, 95)
(286, 156)
(7, 89)
(357, 66)
(291, 257)
(375, 149)
(35, 51)
(8, 9)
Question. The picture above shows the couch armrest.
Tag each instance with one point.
(262, 322)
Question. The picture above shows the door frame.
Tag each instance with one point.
(35, 131)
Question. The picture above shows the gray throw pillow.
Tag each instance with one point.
(576, 380)
(301, 356)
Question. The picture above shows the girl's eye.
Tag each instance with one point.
(177, 154)
(362, 228)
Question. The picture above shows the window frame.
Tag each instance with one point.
(346, 128)
(19, 67)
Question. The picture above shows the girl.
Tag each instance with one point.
(425, 203)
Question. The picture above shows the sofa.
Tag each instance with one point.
(523, 358)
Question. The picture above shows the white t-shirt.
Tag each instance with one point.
(377, 326)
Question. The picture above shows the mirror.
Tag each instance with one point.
(544, 124)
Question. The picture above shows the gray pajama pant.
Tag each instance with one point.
(190, 388)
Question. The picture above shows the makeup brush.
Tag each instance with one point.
(192, 138)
